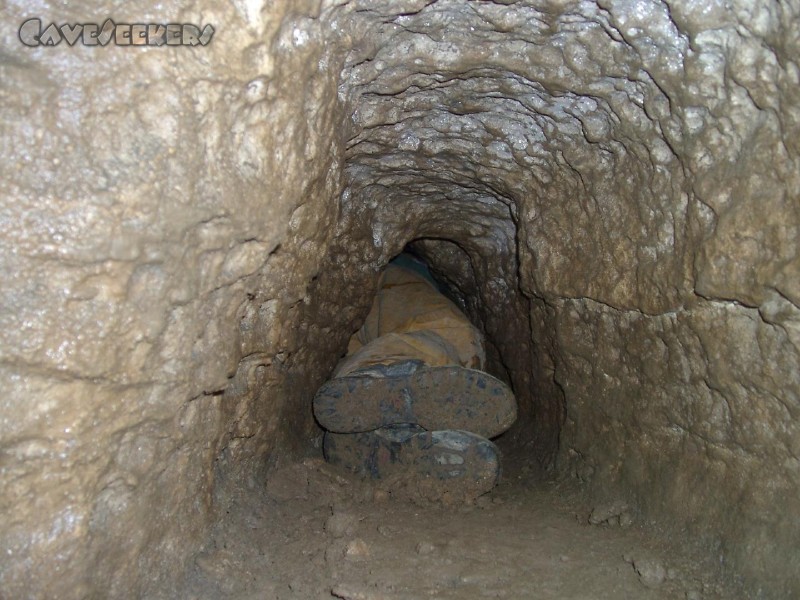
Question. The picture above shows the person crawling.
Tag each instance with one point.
(410, 401)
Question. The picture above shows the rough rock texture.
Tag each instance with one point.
(189, 236)
(163, 212)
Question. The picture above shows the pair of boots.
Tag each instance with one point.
(409, 402)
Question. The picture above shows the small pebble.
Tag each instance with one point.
(356, 549)
(608, 513)
(651, 572)
(425, 548)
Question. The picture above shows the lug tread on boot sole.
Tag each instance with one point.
(452, 456)
(437, 398)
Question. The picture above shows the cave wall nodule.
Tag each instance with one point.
(190, 235)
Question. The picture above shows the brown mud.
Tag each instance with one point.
(315, 533)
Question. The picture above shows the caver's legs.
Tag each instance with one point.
(410, 398)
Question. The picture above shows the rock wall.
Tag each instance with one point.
(163, 212)
(610, 188)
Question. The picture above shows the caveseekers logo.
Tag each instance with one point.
(92, 34)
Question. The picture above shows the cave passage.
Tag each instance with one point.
(608, 189)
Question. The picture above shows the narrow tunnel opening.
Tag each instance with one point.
(455, 275)
(479, 275)
(448, 266)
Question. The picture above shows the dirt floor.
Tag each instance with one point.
(314, 533)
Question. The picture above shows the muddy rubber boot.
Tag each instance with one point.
(436, 398)
(432, 463)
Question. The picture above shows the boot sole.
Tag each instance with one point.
(437, 398)
(458, 461)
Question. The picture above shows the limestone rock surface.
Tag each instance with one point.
(189, 236)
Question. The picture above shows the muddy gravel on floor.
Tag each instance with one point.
(314, 533)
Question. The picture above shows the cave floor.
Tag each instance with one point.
(313, 533)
